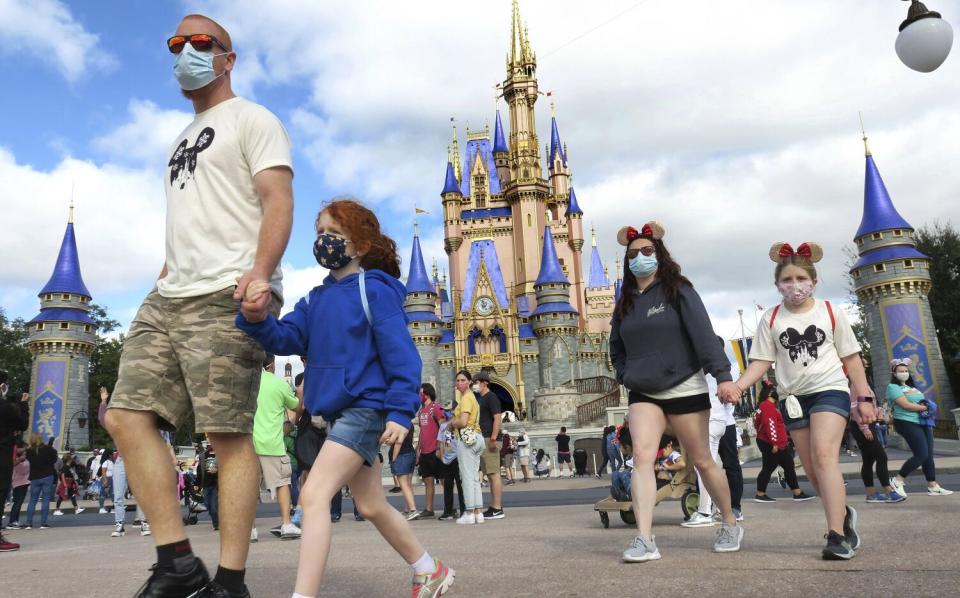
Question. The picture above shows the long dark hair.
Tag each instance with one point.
(909, 382)
(668, 272)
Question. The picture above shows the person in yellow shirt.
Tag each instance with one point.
(470, 445)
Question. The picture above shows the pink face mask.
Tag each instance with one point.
(795, 293)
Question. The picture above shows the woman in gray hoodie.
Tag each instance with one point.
(662, 344)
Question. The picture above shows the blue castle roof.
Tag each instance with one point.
(66, 276)
(483, 251)
(418, 281)
(550, 270)
(499, 142)
(572, 206)
(63, 314)
(886, 254)
(450, 184)
(480, 149)
(878, 211)
(598, 276)
(555, 145)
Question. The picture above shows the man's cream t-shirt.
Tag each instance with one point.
(213, 211)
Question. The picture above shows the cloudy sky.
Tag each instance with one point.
(733, 123)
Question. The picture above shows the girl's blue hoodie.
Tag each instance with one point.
(349, 362)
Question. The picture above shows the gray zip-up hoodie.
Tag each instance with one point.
(658, 346)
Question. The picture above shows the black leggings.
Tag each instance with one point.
(872, 452)
(772, 460)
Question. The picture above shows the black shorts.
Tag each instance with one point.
(680, 406)
(563, 457)
(429, 465)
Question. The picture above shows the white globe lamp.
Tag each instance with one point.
(925, 39)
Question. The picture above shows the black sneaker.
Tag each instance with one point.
(445, 516)
(492, 513)
(276, 530)
(850, 528)
(169, 583)
(763, 498)
(427, 515)
(394, 490)
(837, 548)
(802, 497)
(44, 526)
(215, 590)
(358, 518)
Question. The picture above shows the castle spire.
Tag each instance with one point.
(878, 210)
(550, 270)
(66, 277)
(556, 147)
(450, 183)
(499, 140)
(598, 273)
(455, 153)
(573, 207)
(417, 279)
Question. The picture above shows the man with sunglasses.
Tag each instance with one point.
(229, 213)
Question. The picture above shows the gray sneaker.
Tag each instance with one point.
(850, 528)
(641, 550)
(728, 538)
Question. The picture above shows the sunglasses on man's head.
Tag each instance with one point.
(647, 251)
(200, 41)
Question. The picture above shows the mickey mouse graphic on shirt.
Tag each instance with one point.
(183, 163)
(803, 347)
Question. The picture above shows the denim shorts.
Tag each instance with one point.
(403, 464)
(829, 401)
(359, 429)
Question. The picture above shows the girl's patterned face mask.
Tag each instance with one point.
(331, 251)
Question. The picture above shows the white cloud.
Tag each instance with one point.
(146, 137)
(46, 29)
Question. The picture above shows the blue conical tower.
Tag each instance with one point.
(892, 281)
(421, 307)
(598, 274)
(62, 338)
(554, 321)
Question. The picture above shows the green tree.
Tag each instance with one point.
(14, 356)
(941, 242)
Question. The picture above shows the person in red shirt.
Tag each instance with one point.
(772, 442)
(429, 418)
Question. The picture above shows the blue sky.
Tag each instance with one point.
(733, 129)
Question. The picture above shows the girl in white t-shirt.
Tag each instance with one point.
(811, 344)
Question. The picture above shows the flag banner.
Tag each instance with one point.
(741, 351)
(419, 211)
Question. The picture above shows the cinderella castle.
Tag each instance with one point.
(519, 304)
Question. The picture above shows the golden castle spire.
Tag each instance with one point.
(455, 153)
(593, 236)
(866, 148)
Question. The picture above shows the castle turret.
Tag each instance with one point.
(892, 281)
(421, 307)
(554, 321)
(501, 152)
(557, 165)
(62, 338)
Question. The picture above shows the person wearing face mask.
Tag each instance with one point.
(228, 184)
(811, 343)
(662, 345)
(909, 408)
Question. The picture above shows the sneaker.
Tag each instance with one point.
(28, 526)
(728, 538)
(878, 497)
(358, 518)
(803, 496)
(297, 518)
(103, 511)
(938, 491)
(698, 519)
(763, 498)
(44, 526)
(335, 518)
(8, 546)
(411, 515)
(145, 528)
(427, 515)
(898, 487)
(445, 516)
(215, 590)
(14, 525)
(467, 519)
(290, 532)
(738, 514)
(492, 513)
(118, 531)
(57, 513)
(850, 528)
(394, 490)
(480, 518)
(169, 582)
(78, 511)
(254, 536)
(837, 548)
(895, 496)
(276, 530)
(431, 585)
(641, 550)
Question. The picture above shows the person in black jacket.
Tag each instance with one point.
(662, 344)
(43, 461)
(14, 419)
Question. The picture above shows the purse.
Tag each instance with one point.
(468, 436)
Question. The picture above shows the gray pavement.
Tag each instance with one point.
(910, 549)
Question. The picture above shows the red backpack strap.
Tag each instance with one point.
(773, 316)
(833, 320)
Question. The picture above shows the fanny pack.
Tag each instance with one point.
(468, 436)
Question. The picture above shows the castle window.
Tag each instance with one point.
(856, 273)
(86, 327)
(898, 233)
(529, 220)
(880, 268)
(908, 263)
(860, 242)
(528, 343)
(39, 326)
(64, 326)
(877, 236)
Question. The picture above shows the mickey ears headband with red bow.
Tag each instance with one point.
(651, 230)
(784, 251)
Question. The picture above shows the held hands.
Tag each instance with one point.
(868, 414)
(729, 392)
(394, 434)
(256, 298)
(104, 393)
(867, 433)
(25, 397)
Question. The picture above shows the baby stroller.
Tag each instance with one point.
(580, 461)
(683, 486)
(193, 501)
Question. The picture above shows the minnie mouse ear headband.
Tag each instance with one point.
(651, 230)
(894, 363)
(782, 251)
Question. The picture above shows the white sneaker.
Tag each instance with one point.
(290, 532)
(118, 531)
(80, 510)
(480, 518)
(898, 486)
(698, 519)
(58, 512)
(467, 519)
(103, 511)
(938, 491)
(145, 528)
(254, 536)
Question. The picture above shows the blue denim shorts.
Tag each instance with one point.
(403, 464)
(829, 401)
(359, 429)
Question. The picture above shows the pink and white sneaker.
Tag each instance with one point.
(431, 585)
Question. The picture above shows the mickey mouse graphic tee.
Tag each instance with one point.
(213, 210)
(806, 349)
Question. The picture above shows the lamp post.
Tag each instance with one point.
(81, 420)
(925, 38)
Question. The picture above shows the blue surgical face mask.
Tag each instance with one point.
(194, 69)
(643, 266)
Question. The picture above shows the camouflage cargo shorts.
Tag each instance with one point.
(186, 354)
